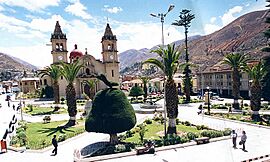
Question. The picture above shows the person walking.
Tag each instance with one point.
(243, 140)
(234, 137)
(55, 145)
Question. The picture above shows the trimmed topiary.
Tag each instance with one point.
(111, 113)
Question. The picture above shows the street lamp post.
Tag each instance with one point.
(208, 99)
(162, 16)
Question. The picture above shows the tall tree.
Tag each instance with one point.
(185, 20)
(145, 80)
(256, 74)
(266, 79)
(168, 64)
(54, 73)
(70, 71)
(111, 112)
(237, 62)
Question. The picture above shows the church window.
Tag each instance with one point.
(61, 77)
(45, 81)
(61, 47)
(57, 46)
(87, 71)
(109, 47)
(112, 73)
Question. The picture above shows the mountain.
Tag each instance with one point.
(132, 56)
(8, 62)
(245, 35)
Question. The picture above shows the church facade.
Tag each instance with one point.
(109, 65)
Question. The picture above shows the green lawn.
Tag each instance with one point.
(153, 129)
(39, 135)
(43, 110)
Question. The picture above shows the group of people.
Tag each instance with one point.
(242, 141)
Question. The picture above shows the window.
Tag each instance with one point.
(61, 47)
(112, 73)
(87, 71)
(61, 77)
(40, 82)
(57, 46)
(31, 83)
(45, 81)
(25, 83)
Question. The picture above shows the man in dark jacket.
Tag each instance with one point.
(55, 144)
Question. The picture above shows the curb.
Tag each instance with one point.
(158, 149)
(240, 122)
(256, 158)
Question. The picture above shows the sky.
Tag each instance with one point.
(26, 25)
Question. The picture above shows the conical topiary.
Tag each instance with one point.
(111, 112)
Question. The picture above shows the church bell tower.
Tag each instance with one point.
(59, 45)
(109, 55)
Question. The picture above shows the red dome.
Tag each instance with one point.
(75, 53)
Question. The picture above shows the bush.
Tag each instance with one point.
(184, 139)
(201, 127)
(129, 134)
(227, 131)
(192, 136)
(171, 139)
(148, 121)
(187, 123)
(177, 121)
(47, 119)
(142, 131)
(211, 133)
(62, 137)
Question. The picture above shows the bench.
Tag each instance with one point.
(202, 140)
(148, 149)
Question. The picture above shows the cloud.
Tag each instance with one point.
(213, 19)
(113, 10)
(31, 5)
(2, 8)
(229, 16)
(210, 28)
(78, 9)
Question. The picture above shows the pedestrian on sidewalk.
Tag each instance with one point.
(200, 109)
(243, 140)
(13, 106)
(55, 145)
(234, 137)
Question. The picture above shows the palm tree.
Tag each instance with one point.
(237, 62)
(70, 71)
(256, 74)
(169, 65)
(53, 71)
(145, 80)
(185, 20)
(92, 84)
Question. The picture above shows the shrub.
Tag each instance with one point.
(211, 133)
(47, 119)
(129, 134)
(177, 121)
(142, 131)
(201, 127)
(171, 139)
(187, 123)
(192, 136)
(148, 121)
(227, 131)
(62, 137)
(121, 137)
